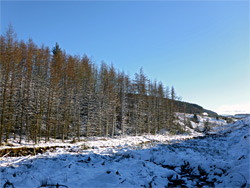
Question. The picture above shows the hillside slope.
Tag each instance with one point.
(193, 108)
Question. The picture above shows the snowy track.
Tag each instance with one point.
(219, 160)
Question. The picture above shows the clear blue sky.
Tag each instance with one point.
(202, 48)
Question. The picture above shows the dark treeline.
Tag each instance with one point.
(50, 94)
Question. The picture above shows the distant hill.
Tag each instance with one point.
(237, 116)
(192, 108)
(185, 107)
(240, 116)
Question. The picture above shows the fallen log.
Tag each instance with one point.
(24, 151)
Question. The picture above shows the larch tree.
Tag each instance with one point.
(46, 95)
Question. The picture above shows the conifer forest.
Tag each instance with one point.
(46, 93)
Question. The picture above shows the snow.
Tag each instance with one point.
(220, 159)
(205, 114)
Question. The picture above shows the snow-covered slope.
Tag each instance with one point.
(217, 160)
(199, 123)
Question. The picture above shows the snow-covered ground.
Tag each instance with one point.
(195, 130)
(201, 121)
(217, 160)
